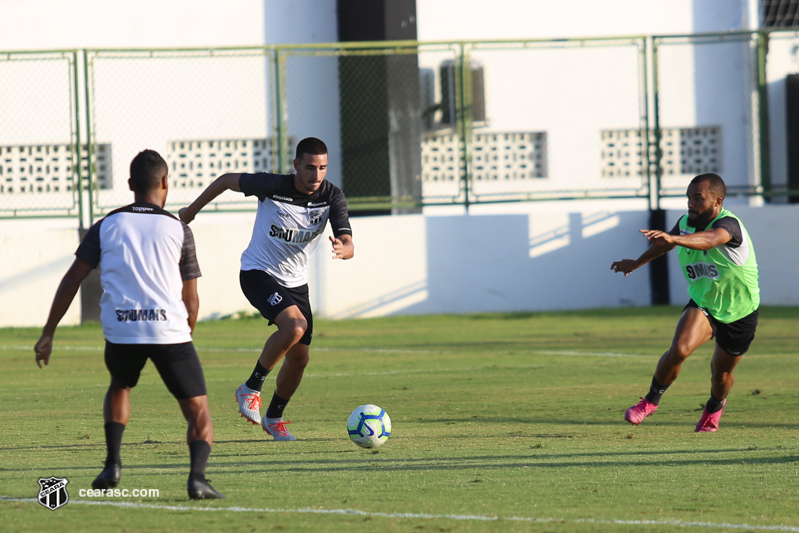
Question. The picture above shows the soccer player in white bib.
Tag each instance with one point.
(293, 211)
(718, 260)
(149, 306)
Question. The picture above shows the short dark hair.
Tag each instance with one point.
(146, 171)
(311, 146)
(715, 181)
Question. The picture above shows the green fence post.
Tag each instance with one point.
(76, 140)
(656, 127)
(278, 113)
(463, 117)
(762, 111)
(643, 92)
(89, 170)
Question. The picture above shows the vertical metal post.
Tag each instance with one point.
(643, 96)
(90, 170)
(76, 139)
(278, 121)
(464, 122)
(657, 133)
(762, 111)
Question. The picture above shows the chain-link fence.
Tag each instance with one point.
(407, 124)
(41, 160)
(707, 115)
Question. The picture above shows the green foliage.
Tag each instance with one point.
(517, 417)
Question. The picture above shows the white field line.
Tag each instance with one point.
(467, 518)
(367, 350)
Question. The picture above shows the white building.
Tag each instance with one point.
(573, 104)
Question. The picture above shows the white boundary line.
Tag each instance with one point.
(470, 518)
(321, 349)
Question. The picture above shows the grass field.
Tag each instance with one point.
(507, 422)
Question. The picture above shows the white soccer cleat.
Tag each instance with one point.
(249, 403)
(277, 428)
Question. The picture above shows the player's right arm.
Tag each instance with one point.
(655, 250)
(219, 185)
(66, 292)
(660, 242)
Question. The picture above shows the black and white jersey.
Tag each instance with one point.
(288, 225)
(144, 254)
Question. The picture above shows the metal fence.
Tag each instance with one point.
(407, 124)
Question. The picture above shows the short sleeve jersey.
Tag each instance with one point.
(144, 254)
(724, 279)
(288, 225)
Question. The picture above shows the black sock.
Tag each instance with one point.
(713, 405)
(276, 407)
(199, 450)
(113, 441)
(256, 381)
(656, 391)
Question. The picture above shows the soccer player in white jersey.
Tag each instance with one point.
(293, 211)
(148, 271)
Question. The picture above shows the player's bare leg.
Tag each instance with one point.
(693, 330)
(200, 437)
(292, 370)
(291, 326)
(116, 413)
(721, 380)
(288, 380)
(116, 406)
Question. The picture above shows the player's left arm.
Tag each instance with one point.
(343, 247)
(66, 292)
(191, 299)
(700, 240)
(703, 240)
(189, 272)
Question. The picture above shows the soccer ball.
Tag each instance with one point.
(369, 426)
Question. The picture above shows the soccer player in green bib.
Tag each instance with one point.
(718, 261)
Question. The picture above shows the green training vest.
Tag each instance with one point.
(722, 280)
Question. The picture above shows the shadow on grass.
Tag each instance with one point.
(659, 459)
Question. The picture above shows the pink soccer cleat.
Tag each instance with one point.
(636, 414)
(710, 421)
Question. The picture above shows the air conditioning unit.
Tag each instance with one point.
(450, 73)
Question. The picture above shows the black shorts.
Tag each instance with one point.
(735, 337)
(178, 365)
(270, 298)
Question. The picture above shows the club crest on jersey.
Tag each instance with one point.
(315, 217)
(275, 299)
(53, 492)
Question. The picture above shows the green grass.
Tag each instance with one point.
(512, 417)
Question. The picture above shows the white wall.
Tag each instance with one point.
(35, 256)
(526, 19)
(312, 81)
(536, 259)
(58, 25)
(532, 257)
